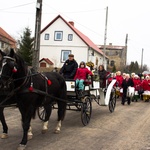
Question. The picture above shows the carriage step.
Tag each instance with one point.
(103, 105)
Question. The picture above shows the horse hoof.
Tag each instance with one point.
(57, 131)
(44, 131)
(30, 137)
(21, 147)
(4, 136)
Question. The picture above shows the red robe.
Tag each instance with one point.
(146, 85)
(119, 79)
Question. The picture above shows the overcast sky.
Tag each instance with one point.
(124, 17)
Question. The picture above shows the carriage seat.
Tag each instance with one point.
(87, 82)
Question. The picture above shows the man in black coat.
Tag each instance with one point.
(69, 68)
(125, 84)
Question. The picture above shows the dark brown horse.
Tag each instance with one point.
(32, 90)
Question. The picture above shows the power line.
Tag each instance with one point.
(82, 11)
(16, 6)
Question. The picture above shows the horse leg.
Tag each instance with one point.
(61, 114)
(48, 110)
(4, 135)
(30, 134)
(58, 126)
(26, 119)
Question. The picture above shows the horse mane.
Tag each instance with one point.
(17, 58)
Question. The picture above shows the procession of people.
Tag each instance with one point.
(140, 83)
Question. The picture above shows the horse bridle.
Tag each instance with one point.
(9, 80)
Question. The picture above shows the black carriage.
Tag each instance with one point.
(82, 100)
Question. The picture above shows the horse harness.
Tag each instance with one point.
(28, 78)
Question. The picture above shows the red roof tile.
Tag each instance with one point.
(4, 35)
(113, 47)
(47, 61)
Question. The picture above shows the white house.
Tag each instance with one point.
(60, 38)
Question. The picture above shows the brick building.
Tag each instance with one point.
(117, 56)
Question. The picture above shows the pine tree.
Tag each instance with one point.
(114, 69)
(26, 46)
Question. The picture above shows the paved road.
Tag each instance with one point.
(128, 128)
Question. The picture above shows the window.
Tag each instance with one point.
(58, 35)
(46, 36)
(112, 63)
(2, 45)
(64, 55)
(70, 37)
(108, 61)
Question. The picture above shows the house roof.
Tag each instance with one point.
(84, 38)
(47, 61)
(112, 47)
(4, 34)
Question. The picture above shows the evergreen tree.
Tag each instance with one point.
(114, 69)
(136, 67)
(131, 66)
(145, 68)
(26, 46)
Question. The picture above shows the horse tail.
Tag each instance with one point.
(63, 95)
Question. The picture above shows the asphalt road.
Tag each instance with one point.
(128, 128)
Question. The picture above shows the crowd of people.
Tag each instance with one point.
(141, 83)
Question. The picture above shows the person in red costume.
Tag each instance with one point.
(119, 78)
(137, 82)
(137, 86)
(146, 83)
(81, 75)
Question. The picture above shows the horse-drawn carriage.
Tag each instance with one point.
(82, 100)
(31, 90)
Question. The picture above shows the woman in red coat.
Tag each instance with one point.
(137, 82)
(119, 78)
(137, 86)
(146, 83)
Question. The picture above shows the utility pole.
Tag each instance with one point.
(36, 51)
(105, 37)
(126, 43)
(142, 60)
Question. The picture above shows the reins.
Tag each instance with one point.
(27, 77)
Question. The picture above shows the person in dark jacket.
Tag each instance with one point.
(102, 76)
(69, 68)
(125, 84)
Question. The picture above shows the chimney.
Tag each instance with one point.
(72, 23)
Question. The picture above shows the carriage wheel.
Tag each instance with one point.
(42, 113)
(86, 110)
(112, 101)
